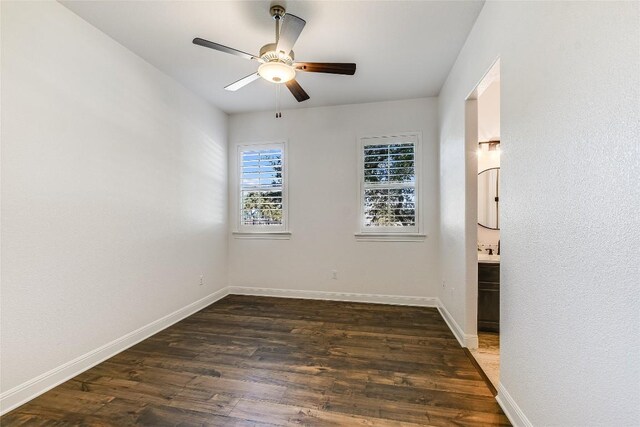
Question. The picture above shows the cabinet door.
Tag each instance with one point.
(489, 297)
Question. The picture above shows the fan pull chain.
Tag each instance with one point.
(278, 112)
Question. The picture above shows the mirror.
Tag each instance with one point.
(488, 198)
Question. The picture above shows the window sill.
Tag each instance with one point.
(266, 235)
(390, 237)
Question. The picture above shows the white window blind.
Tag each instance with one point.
(389, 196)
(262, 186)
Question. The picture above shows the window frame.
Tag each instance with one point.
(268, 231)
(383, 233)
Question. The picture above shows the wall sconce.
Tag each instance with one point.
(489, 146)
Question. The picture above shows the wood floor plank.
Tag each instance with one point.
(410, 412)
(258, 361)
(294, 416)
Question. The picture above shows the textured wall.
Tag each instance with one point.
(324, 203)
(570, 294)
(114, 188)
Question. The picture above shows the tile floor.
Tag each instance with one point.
(488, 355)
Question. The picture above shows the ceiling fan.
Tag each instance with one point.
(277, 59)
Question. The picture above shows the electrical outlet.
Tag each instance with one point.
(444, 284)
(201, 279)
(334, 274)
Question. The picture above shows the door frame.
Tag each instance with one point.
(471, 202)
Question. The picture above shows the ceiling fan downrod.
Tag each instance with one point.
(277, 12)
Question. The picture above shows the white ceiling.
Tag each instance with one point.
(403, 49)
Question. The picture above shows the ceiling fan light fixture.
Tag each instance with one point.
(276, 72)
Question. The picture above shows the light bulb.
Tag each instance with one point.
(276, 72)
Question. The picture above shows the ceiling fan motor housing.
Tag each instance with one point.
(268, 54)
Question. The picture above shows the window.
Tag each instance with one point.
(262, 188)
(389, 194)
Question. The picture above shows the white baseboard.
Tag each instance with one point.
(336, 296)
(471, 341)
(466, 340)
(511, 408)
(24, 392)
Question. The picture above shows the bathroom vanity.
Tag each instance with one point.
(489, 293)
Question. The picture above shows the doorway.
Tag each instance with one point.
(483, 134)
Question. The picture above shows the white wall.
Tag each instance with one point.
(489, 112)
(114, 191)
(570, 316)
(323, 203)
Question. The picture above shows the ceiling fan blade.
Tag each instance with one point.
(222, 48)
(347, 68)
(242, 82)
(291, 28)
(296, 90)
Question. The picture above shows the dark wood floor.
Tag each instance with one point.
(251, 361)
